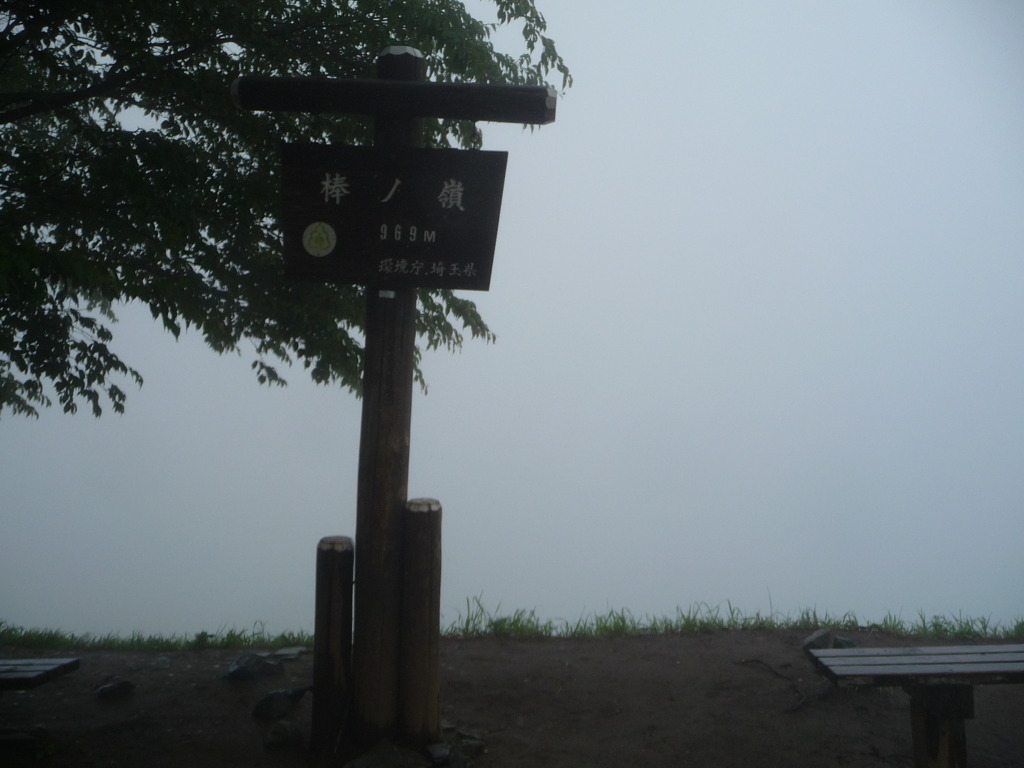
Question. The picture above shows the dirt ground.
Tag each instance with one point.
(731, 698)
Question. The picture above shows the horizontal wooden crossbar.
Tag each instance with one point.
(936, 665)
(526, 104)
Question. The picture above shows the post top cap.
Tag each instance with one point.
(401, 50)
(336, 544)
(423, 505)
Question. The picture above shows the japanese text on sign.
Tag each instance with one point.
(407, 216)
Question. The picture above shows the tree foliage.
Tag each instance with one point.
(127, 175)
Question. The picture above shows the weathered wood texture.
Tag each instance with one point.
(961, 664)
(332, 642)
(383, 487)
(21, 674)
(384, 470)
(420, 650)
(940, 741)
(529, 104)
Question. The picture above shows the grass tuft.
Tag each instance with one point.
(223, 639)
(480, 622)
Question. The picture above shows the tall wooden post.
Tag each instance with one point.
(384, 463)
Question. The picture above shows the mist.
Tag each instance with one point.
(759, 302)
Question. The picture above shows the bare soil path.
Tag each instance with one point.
(730, 698)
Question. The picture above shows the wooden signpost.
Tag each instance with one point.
(395, 218)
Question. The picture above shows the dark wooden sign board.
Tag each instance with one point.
(391, 217)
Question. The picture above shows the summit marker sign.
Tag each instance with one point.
(391, 217)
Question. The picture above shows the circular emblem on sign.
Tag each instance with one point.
(319, 239)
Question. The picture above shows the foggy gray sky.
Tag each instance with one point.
(759, 297)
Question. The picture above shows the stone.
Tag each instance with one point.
(440, 754)
(252, 664)
(290, 654)
(823, 638)
(115, 689)
(826, 638)
(446, 755)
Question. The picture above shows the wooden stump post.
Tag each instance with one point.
(420, 652)
(332, 643)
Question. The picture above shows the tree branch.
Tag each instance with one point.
(58, 99)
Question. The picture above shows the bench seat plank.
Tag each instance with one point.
(962, 659)
(930, 674)
(20, 674)
(936, 665)
(928, 650)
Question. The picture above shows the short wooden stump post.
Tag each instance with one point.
(332, 643)
(420, 645)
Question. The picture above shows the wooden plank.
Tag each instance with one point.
(935, 665)
(829, 653)
(28, 673)
(921, 673)
(951, 658)
(532, 104)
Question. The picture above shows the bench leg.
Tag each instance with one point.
(937, 721)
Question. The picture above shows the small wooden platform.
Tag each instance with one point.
(20, 674)
(940, 681)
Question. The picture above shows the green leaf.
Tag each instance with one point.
(127, 174)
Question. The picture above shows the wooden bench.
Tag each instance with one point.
(20, 674)
(940, 681)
